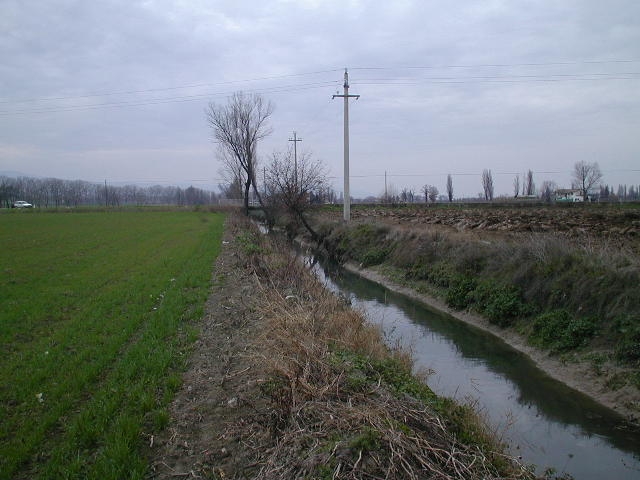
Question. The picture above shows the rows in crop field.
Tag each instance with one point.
(95, 309)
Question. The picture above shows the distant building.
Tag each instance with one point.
(569, 195)
(527, 197)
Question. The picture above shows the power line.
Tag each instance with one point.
(501, 65)
(566, 77)
(286, 88)
(472, 174)
(316, 72)
(180, 87)
(159, 101)
(593, 74)
(465, 81)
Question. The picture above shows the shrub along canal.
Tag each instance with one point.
(544, 421)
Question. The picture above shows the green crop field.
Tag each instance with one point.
(96, 314)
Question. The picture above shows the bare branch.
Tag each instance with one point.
(586, 176)
(487, 184)
(290, 192)
(237, 127)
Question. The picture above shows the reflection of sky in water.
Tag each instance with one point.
(545, 422)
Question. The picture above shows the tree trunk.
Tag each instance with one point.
(311, 231)
(247, 185)
(265, 208)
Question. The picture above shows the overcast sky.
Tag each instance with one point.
(116, 90)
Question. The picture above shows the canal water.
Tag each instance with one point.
(545, 422)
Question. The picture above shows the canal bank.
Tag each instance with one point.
(286, 381)
(543, 420)
(577, 376)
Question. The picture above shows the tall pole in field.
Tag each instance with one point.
(346, 195)
(295, 141)
(386, 198)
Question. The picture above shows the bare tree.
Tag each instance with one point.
(290, 189)
(8, 191)
(407, 195)
(450, 188)
(529, 187)
(586, 176)
(516, 186)
(433, 193)
(237, 127)
(547, 189)
(232, 175)
(390, 195)
(425, 192)
(487, 184)
(322, 195)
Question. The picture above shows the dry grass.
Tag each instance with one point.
(342, 405)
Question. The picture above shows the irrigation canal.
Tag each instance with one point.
(544, 421)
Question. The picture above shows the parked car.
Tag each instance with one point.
(21, 204)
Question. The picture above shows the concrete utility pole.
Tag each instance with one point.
(386, 198)
(346, 96)
(295, 141)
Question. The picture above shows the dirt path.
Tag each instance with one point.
(578, 376)
(221, 384)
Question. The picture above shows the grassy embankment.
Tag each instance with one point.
(579, 302)
(94, 323)
(341, 404)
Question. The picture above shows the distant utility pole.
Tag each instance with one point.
(295, 141)
(346, 96)
(386, 198)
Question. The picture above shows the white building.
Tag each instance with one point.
(569, 195)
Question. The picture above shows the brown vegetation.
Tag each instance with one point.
(571, 291)
(320, 394)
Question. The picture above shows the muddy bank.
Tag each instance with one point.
(579, 376)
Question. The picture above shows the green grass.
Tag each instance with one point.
(521, 283)
(94, 327)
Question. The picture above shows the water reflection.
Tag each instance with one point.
(546, 422)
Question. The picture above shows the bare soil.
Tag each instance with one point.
(614, 227)
(221, 383)
(613, 221)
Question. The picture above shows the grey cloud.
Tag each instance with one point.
(409, 120)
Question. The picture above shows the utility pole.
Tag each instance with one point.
(386, 198)
(346, 96)
(295, 141)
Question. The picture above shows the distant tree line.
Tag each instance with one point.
(585, 177)
(623, 193)
(54, 192)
